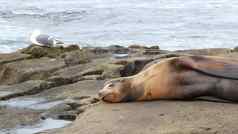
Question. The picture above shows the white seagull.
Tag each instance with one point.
(40, 39)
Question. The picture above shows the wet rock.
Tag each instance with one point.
(70, 117)
(25, 88)
(70, 108)
(11, 118)
(76, 91)
(36, 51)
(98, 71)
(138, 50)
(76, 73)
(13, 57)
(154, 52)
(80, 76)
(80, 110)
(73, 103)
(92, 71)
(31, 69)
(55, 111)
(59, 81)
(52, 52)
(76, 57)
(41, 127)
(77, 102)
(92, 77)
(70, 74)
(169, 55)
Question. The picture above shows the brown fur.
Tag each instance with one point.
(179, 78)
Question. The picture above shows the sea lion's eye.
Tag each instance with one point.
(110, 85)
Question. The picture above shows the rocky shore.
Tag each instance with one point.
(59, 86)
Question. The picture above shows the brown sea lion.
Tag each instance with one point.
(183, 77)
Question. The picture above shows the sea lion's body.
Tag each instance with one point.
(183, 77)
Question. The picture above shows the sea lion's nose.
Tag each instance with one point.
(102, 93)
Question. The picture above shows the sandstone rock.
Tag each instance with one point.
(55, 111)
(210, 51)
(52, 52)
(32, 69)
(76, 57)
(72, 47)
(12, 118)
(143, 117)
(135, 46)
(37, 52)
(98, 50)
(93, 71)
(76, 91)
(68, 116)
(69, 74)
(233, 55)
(154, 47)
(154, 52)
(235, 49)
(79, 72)
(25, 88)
(111, 70)
(118, 49)
(13, 57)
(92, 77)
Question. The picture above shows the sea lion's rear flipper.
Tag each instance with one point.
(213, 66)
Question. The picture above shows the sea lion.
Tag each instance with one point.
(184, 77)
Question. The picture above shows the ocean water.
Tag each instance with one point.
(171, 24)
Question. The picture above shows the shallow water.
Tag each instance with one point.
(173, 24)
(119, 56)
(4, 93)
(42, 126)
(31, 103)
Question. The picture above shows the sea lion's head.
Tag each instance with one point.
(118, 90)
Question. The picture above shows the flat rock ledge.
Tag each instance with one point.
(160, 117)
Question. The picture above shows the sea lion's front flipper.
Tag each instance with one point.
(213, 66)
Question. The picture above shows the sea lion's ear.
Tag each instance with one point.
(213, 66)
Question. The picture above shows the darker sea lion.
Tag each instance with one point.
(184, 77)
